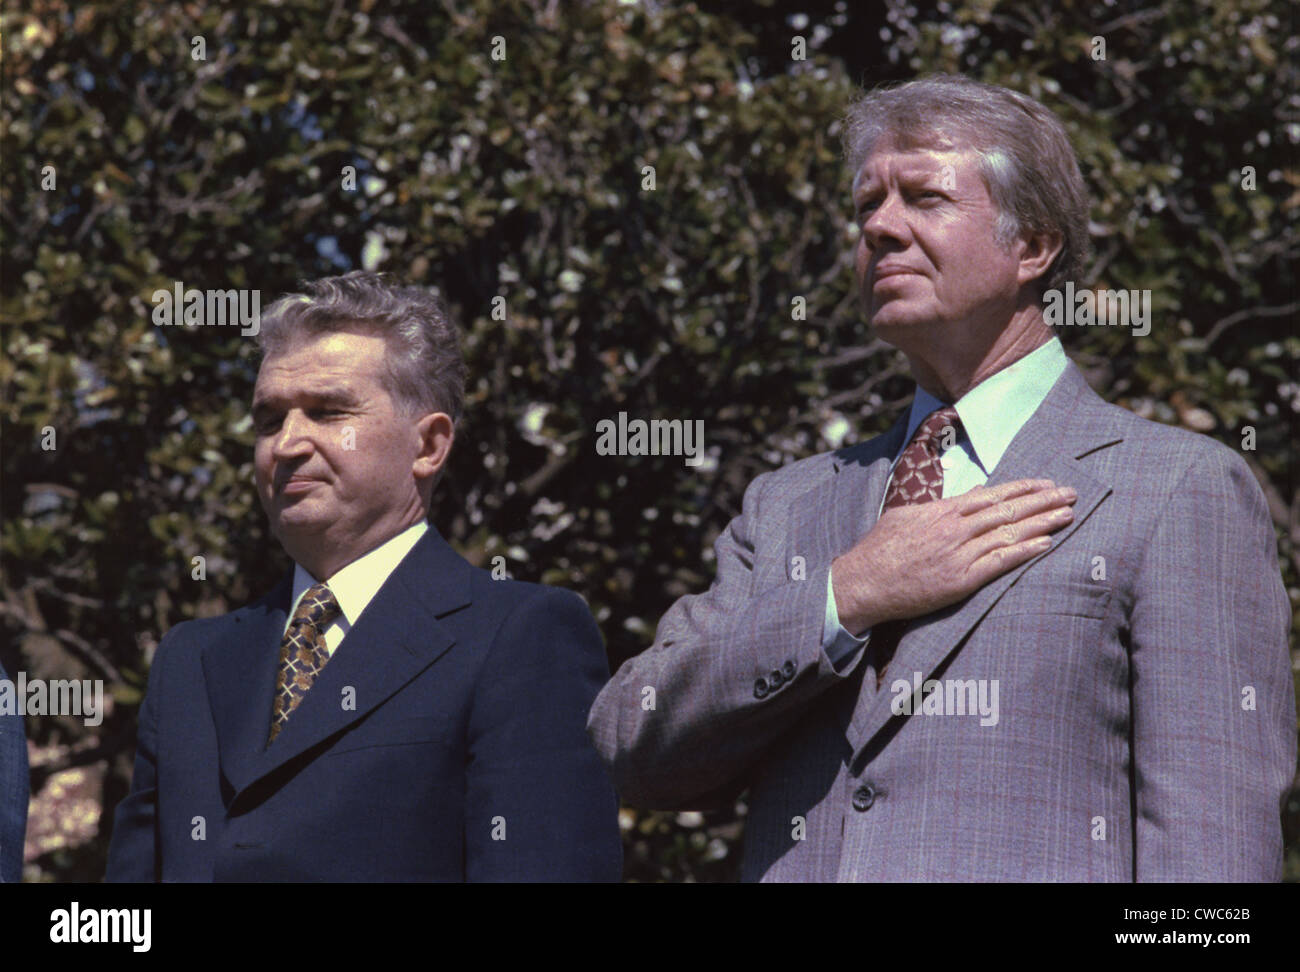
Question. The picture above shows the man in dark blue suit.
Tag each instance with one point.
(13, 794)
(388, 712)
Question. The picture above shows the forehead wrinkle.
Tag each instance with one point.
(923, 164)
(338, 370)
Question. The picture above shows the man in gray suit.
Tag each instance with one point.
(1022, 636)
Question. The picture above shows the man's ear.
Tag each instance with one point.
(1037, 253)
(437, 432)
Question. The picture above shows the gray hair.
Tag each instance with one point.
(1026, 160)
(425, 368)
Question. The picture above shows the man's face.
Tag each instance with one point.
(334, 456)
(926, 258)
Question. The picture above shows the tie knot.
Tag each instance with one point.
(939, 430)
(318, 606)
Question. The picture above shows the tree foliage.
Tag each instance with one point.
(504, 150)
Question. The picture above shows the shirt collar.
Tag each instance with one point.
(356, 584)
(994, 411)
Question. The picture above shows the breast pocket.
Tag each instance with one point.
(1055, 593)
(405, 731)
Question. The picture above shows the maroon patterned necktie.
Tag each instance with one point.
(303, 653)
(918, 478)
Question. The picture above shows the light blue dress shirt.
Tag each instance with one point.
(991, 414)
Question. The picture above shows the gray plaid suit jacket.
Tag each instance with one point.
(1147, 718)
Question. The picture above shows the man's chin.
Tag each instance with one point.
(298, 520)
(895, 325)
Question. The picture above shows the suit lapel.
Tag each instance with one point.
(836, 513)
(396, 637)
(239, 669)
(1066, 427)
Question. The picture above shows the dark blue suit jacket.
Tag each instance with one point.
(13, 794)
(465, 757)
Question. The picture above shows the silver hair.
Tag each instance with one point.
(423, 359)
(1026, 160)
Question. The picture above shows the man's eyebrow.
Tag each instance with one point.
(317, 396)
(332, 395)
(910, 175)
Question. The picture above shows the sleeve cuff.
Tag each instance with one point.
(840, 645)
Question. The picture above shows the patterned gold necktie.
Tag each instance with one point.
(303, 653)
(918, 478)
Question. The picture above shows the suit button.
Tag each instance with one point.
(776, 678)
(761, 688)
(863, 798)
(788, 670)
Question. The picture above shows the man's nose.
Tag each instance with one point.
(885, 224)
(294, 437)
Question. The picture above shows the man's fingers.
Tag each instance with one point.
(1000, 559)
(982, 497)
(1010, 534)
(1014, 512)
